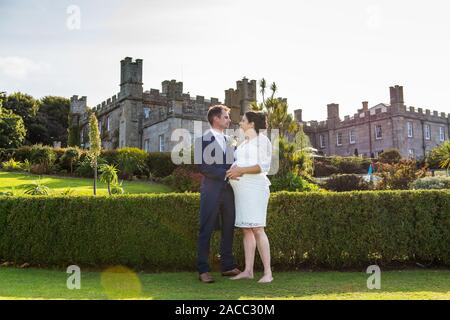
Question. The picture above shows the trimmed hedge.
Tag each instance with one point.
(159, 232)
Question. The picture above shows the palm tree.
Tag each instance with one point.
(443, 153)
(108, 175)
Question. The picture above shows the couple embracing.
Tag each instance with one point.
(234, 193)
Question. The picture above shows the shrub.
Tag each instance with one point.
(350, 165)
(160, 164)
(431, 183)
(390, 156)
(23, 153)
(159, 232)
(185, 178)
(322, 169)
(131, 161)
(44, 156)
(70, 158)
(37, 188)
(85, 169)
(117, 189)
(398, 176)
(12, 165)
(346, 182)
(291, 182)
(26, 166)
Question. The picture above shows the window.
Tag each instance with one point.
(410, 129)
(147, 145)
(108, 123)
(161, 143)
(100, 126)
(427, 132)
(352, 136)
(378, 132)
(322, 141)
(441, 134)
(411, 153)
(170, 110)
(146, 112)
(339, 139)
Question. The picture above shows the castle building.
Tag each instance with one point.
(370, 131)
(146, 119)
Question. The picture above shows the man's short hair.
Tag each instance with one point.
(216, 111)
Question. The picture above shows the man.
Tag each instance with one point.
(216, 195)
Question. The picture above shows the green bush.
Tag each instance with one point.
(44, 156)
(23, 153)
(322, 169)
(432, 183)
(346, 182)
(159, 232)
(131, 161)
(185, 178)
(291, 182)
(84, 168)
(11, 165)
(349, 165)
(160, 164)
(390, 156)
(398, 176)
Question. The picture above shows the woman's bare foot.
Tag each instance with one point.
(243, 275)
(267, 278)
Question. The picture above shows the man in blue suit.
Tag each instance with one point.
(216, 195)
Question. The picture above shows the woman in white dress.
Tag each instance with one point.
(248, 178)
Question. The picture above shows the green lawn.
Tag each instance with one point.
(51, 284)
(80, 186)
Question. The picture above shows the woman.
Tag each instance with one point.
(248, 178)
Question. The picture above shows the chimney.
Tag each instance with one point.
(333, 111)
(396, 95)
(365, 106)
(298, 115)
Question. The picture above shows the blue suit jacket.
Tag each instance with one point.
(213, 182)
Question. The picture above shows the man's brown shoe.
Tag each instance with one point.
(231, 273)
(206, 277)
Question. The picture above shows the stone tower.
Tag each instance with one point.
(78, 109)
(130, 96)
(172, 89)
(239, 99)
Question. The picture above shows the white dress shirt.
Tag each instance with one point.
(220, 138)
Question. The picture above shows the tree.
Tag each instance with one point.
(26, 107)
(55, 111)
(276, 110)
(12, 128)
(109, 175)
(71, 155)
(95, 146)
(443, 154)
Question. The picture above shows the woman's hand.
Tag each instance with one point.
(234, 173)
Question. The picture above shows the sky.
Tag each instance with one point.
(318, 52)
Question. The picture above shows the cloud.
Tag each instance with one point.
(18, 67)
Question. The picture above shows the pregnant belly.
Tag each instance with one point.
(256, 180)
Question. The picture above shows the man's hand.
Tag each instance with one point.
(234, 173)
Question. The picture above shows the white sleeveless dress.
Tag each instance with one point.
(251, 191)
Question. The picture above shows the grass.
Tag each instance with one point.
(51, 284)
(79, 186)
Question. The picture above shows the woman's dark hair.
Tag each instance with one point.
(258, 118)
